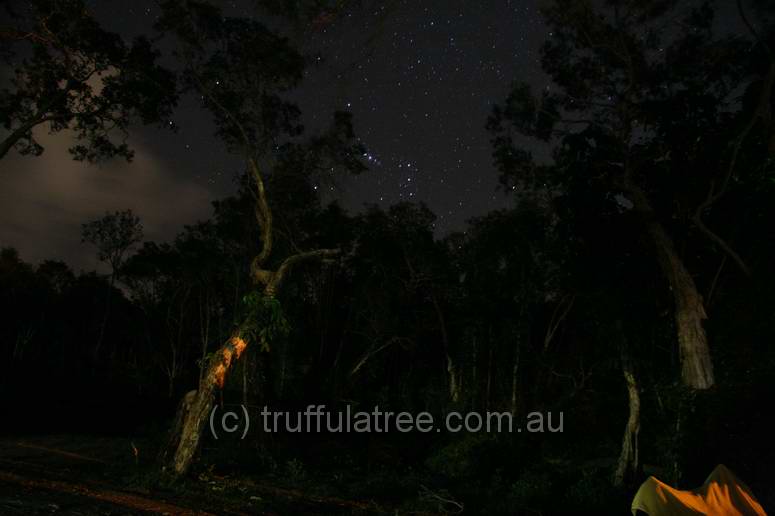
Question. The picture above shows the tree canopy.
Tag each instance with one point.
(67, 72)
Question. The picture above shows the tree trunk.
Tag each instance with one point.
(177, 426)
(452, 374)
(627, 468)
(202, 404)
(245, 382)
(171, 381)
(220, 363)
(454, 381)
(106, 314)
(696, 365)
(204, 329)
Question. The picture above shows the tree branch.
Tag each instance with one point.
(273, 279)
(263, 212)
(697, 219)
(751, 28)
(559, 314)
(763, 111)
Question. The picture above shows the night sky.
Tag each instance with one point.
(419, 77)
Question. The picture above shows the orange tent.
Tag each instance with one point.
(721, 494)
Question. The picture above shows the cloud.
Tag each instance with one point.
(44, 200)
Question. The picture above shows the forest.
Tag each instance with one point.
(625, 292)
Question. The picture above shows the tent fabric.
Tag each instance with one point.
(721, 494)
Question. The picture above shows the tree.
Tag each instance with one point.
(506, 264)
(70, 73)
(114, 235)
(634, 96)
(239, 69)
(628, 465)
(397, 303)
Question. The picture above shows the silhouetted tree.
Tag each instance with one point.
(114, 235)
(70, 73)
(239, 69)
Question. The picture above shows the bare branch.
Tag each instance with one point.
(763, 111)
(273, 280)
(369, 354)
(559, 314)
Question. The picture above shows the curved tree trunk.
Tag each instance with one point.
(177, 426)
(696, 365)
(199, 408)
(219, 365)
(270, 280)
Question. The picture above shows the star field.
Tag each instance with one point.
(421, 80)
(419, 77)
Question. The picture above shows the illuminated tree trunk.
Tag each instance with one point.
(202, 404)
(174, 435)
(696, 365)
(269, 280)
(219, 365)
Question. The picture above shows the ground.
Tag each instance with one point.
(111, 476)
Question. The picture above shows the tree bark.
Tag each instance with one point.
(177, 426)
(696, 364)
(452, 373)
(627, 467)
(454, 381)
(200, 407)
(204, 328)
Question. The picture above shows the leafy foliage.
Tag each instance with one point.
(72, 74)
(265, 320)
(114, 235)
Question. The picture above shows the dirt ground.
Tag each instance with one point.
(93, 476)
